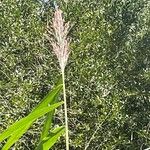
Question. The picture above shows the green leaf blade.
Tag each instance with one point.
(50, 140)
(16, 135)
(49, 98)
(31, 117)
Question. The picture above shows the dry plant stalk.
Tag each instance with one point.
(57, 35)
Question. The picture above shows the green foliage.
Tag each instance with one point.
(15, 131)
(49, 117)
(48, 141)
(108, 75)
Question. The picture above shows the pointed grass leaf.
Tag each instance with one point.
(49, 117)
(47, 124)
(31, 117)
(49, 98)
(16, 135)
(50, 140)
(55, 131)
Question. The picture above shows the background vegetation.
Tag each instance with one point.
(108, 74)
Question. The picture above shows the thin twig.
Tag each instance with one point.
(92, 137)
(98, 127)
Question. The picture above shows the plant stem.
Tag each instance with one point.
(65, 108)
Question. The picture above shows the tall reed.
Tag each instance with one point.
(57, 35)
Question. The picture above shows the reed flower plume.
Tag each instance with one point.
(57, 35)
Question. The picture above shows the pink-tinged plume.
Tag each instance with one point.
(57, 35)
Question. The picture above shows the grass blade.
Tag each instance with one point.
(47, 124)
(49, 116)
(49, 97)
(31, 117)
(16, 135)
(50, 140)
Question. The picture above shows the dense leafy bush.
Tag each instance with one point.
(108, 75)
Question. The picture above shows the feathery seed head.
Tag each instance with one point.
(60, 43)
